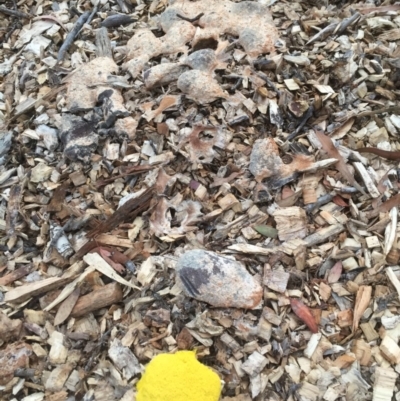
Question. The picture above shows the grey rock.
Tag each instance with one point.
(217, 280)
(49, 136)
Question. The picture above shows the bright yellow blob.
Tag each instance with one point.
(178, 377)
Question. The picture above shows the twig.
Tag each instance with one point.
(335, 28)
(117, 20)
(91, 16)
(309, 113)
(194, 19)
(322, 200)
(391, 109)
(13, 13)
(268, 81)
(72, 35)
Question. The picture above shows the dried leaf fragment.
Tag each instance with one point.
(303, 312)
(341, 165)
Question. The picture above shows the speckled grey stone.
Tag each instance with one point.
(217, 280)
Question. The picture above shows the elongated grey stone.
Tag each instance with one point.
(217, 280)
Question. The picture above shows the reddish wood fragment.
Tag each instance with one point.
(338, 200)
(15, 275)
(303, 312)
(106, 256)
(105, 296)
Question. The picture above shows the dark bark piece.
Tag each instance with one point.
(117, 20)
(128, 210)
(78, 137)
(14, 13)
(105, 296)
(103, 44)
(72, 35)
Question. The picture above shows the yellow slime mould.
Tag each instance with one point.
(178, 377)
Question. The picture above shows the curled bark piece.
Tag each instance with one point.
(72, 35)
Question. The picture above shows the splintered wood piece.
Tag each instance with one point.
(291, 223)
(129, 209)
(362, 351)
(325, 291)
(16, 275)
(369, 332)
(363, 299)
(344, 361)
(345, 318)
(112, 240)
(394, 280)
(27, 291)
(341, 165)
(390, 231)
(58, 352)
(57, 379)
(323, 234)
(229, 201)
(78, 178)
(385, 379)
(100, 298)
(300, 257)
(95, 260)
(276, 280)
(66, 307)
(309, 185)
(362, 171)
(309, 392)
(390, 350)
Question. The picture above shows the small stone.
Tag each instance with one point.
(217, 280)
(41, 172)
(49, 136)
